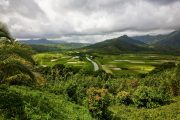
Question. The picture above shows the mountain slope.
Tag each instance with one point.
(170, 43)
(117, 45)
(149, 39)
(39, 41)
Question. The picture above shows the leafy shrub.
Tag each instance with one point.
(166, 112)
(76, 93)
(164, 66)
(103, 75)
(149, 97)
(98, 102)
(123, 97)
(44, 70)
(85, 71)
(11, 104)
(20, 79)
(42, 105)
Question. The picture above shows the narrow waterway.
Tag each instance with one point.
(96, 67)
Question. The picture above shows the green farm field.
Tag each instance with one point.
(114, 64)
(51, 59)
(133, 63)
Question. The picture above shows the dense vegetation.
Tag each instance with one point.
(30, 91)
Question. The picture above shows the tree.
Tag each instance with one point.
(4, 32)
(150, 97)
(98, 102)
(16, 63)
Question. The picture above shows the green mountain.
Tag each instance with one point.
(118, 45)
(149, 39)
(169, 43)
(57, 46)
(39, 41)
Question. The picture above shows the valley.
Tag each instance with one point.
(117, 65)
(89, 60)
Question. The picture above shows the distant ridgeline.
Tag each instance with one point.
(169, 43)
(44, 45)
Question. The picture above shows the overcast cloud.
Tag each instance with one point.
(89, 20)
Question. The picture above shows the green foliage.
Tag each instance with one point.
(164, 66)
(149, 97)
(103, 75)
(58, 72)
(176, 82)
(11, 104)
(98, 102)
(123, 97)
(16, 62)
(166, 112)
(71, 93)
(43, 105)
(158, 93)
(20, 79)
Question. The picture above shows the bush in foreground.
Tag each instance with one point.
(98, 102)
(11, 104)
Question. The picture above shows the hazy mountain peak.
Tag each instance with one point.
(124, 36)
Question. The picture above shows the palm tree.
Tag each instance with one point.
(16, 63)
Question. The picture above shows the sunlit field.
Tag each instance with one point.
(133, 63)
(51, 59)
(114, 64)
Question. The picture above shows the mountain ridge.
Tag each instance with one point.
(117, 45)
(41, 41)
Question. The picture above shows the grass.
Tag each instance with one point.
(50, 59)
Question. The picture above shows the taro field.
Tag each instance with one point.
(133, 63)
(51, 59)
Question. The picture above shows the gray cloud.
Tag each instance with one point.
(88, 20)
(26, 8)
(163, 2)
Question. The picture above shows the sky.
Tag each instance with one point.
(89, 20)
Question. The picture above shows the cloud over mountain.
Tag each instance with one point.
(88, 20)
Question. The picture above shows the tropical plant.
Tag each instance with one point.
(98, 102)
(16, 63)
(11, 104)
(149, 97)
(4, 32)
(123, 97)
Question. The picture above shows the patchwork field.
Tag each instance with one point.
(51, 59)
(133, 63)
(114, 64)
